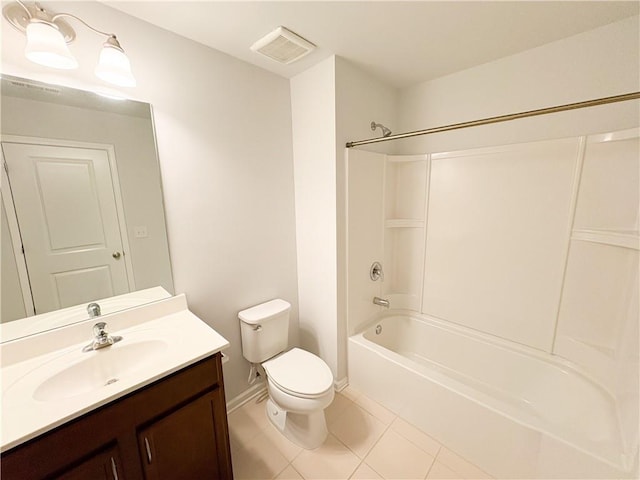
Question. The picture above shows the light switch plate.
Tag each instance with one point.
(140, 232)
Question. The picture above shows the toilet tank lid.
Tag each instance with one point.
(264, 311)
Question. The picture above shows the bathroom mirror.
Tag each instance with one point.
(82, 207)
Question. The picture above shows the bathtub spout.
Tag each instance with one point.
(381, 301)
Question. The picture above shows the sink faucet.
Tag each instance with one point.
(381, 301)
(101, 338)
(93, 309)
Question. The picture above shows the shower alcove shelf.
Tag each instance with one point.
(405, 193)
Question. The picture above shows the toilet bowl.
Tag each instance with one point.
(300, 387)
(300, 384)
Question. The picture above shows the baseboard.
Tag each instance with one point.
(246, 396)
(341, 384)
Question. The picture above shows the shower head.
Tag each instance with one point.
(385, 131)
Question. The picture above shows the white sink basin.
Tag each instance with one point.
(78, 373)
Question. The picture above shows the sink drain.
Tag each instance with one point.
(109, 382)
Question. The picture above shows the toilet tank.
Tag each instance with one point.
(264, 330)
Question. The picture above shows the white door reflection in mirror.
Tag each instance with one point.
(70, 223)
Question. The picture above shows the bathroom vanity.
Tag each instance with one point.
(151, 406)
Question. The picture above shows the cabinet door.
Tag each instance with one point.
(104, 465)
(182, 445)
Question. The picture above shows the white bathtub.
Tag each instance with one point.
(514, 411)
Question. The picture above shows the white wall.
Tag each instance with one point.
(365, 240)
(224, 140)
(332, 103)
(360, 99)
(314, 126)
(598, 63)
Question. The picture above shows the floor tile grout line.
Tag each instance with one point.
(290, 464)
(295, 469)
(362, 460)
(386, 429)
(259, 430)
(435, 458)
(357, 467)
(372, 413)
(440, 447)
(283, 469)
(434, 455)
(446, 464)
(395, 417)
(390, 426)
(374, 446)
(357, 456)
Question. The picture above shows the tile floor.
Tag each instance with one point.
(366, 441)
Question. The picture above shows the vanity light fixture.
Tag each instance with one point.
(48, 36)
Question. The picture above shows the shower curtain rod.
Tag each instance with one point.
(501, 118)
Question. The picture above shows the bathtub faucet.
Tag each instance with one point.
(381, 301)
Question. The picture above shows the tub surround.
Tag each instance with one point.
(28, 362)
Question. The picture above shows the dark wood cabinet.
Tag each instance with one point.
(180, 444)
(104, 465)
(175, 428)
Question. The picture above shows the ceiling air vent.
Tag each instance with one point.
(283, 46)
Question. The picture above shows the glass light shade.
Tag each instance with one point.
(114, 67)
(46, 46)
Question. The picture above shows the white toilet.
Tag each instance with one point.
(300, 384)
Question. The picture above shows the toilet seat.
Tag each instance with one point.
(299, 373)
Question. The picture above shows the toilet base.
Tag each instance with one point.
(306, 430)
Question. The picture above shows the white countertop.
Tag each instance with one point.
(28, 362)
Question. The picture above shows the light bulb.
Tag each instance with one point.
(46, 46)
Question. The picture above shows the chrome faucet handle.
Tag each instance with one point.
(99, 330)
(375, 272)
(93, 309)
(101, 338)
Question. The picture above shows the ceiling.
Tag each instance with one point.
(401, 43)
